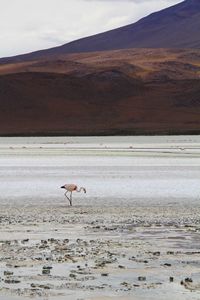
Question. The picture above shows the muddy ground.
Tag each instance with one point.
(84, 252)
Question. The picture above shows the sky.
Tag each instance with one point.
(29, 25)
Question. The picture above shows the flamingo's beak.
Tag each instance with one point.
(62, 187)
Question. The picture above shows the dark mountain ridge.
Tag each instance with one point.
(175, 27)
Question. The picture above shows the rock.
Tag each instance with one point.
(167, 265)
(52, 240)
(188, 279)
(45, 271)
(47, 268)
(25, 241)
(41, 286)
(12, 281)
(44, 242)
(7, 273)
(142, 278)
(157, 253)
(124, 283)
(103, 261)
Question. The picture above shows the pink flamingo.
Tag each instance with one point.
(70, 188)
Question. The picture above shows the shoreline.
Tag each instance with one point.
(119, 146)
(114, 133)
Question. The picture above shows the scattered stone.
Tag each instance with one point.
(188, 279)
(11, 281)
(40, 286)
(44, 242)
(7, 273)
(121, 267)
(46, 271)
(157, 253)
(47, 267)
(25, 241)
(142, 278)
(167, 265)
(43, 286)
(170, 252)
(37, 258)
(125, 283)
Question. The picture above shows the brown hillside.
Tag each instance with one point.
(135, 91)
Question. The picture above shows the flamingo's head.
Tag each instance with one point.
(84, 190)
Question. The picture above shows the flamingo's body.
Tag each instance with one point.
(70, 188)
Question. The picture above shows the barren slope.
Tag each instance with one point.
(136, 91)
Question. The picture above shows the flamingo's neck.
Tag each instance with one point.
(80, 189)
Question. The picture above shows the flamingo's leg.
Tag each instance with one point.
(70, 201)
(68, 197)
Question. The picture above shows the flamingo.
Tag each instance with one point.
(70, 188)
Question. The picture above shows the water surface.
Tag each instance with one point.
(111, 168)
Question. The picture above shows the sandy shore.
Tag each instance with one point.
(100, 253)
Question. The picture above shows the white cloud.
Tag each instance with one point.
(28, 25)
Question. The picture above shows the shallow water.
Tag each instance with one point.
(38, 179)
(102, 140)
(158, 169)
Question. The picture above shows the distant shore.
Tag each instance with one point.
(116, 133)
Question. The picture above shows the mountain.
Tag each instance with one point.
(133, 91)
(175, 27)
(143, 78)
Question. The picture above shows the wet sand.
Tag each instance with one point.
(139, 245)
